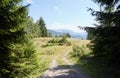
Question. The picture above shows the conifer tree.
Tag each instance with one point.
(42, 27)
(32, 28)
(17, 54)
(106, 35)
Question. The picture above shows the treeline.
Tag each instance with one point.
(67, 35)
(37, 29)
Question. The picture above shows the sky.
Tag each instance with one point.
(63, 14)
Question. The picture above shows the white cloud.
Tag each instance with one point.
(57, 26)
(29, 1)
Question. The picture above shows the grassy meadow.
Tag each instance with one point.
(47, 54)
(78, 53)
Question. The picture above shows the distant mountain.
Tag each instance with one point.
(54, 33)
(79, 36)
(73, 34)
(65, 31)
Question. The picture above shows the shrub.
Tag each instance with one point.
(77, 51)
(56, 41)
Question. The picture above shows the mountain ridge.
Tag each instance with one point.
(81, 35)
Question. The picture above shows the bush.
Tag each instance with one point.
(77, 51)
(63, 40)
(56, 41)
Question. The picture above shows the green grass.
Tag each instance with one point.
(95, 67)
(47, 54)
(92, 67)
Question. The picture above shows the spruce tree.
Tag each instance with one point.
(17, 54)
(32, 28)
(106, 40)
(42, 27)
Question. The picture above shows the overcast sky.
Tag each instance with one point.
(62, 14)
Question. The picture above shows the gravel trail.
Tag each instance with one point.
(68, 70)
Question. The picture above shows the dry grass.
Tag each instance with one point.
(47, 54)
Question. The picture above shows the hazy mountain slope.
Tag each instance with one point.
(73, 34)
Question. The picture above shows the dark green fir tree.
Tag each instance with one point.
(42, 27)
(106, 40)
(32, 28)
(17, 54)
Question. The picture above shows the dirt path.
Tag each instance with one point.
(68, 70)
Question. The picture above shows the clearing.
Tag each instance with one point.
(55, 59)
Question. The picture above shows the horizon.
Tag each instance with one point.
(63, 14)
